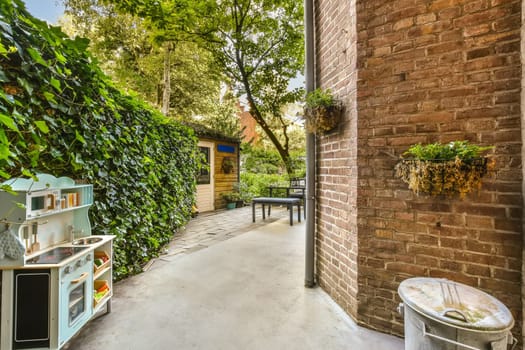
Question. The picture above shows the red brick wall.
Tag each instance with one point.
(427, 71)
(337, 156)
(523, 149)
(248, 125)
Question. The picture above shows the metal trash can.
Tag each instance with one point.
(441, 314)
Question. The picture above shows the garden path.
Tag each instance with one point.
(227, 284)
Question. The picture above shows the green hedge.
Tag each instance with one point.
(256, 185)
(60, 115)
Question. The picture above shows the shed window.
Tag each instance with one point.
(204, 176)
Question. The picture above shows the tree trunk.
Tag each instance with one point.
(166, 77)
(281, 149)
(256, 114)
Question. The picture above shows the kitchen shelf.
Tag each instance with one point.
(100, 272)
(100, 255)
(103, 275)
(97, 305)
(97, 285)
(58, 211)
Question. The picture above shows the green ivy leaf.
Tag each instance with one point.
(3, 50)
(25, 84)
(5, 153)
(35, 55)
(8, 121)
(79, 137)
(49, 97)
(77, 162)
(42, 126)
(60, 58)
(28, 173)
(3, 77)
(56, 84)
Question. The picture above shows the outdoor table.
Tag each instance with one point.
(300, 195)
(289, 202)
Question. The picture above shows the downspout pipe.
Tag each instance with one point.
(309, 276)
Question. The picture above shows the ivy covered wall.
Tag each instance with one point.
(60, 114)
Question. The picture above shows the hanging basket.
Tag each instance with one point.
(321, 119)
(437, 177)
(228, 164)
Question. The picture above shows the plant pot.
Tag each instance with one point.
(436, 177)
(231, 205)
(322, 119)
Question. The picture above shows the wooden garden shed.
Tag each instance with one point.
(222, 155)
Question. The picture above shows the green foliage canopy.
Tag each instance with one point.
(59, 114)
(258, 44)
(130, 50)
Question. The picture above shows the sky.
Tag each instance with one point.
(47, 10)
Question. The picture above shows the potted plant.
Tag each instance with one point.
(453, 168)
(322, 112)
(231, 199)
(244, 194)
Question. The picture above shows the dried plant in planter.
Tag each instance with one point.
(322, 112)
(435, 169)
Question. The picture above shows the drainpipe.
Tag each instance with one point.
(309, 276)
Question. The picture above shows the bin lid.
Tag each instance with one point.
(455, 304)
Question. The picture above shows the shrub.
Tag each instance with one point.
(61, 115)
(260, 160)
(232, 196)
(257, 184)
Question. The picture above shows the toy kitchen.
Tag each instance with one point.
(55, 275)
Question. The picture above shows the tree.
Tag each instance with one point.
(224, 117)
(164, 71)
(258, 44)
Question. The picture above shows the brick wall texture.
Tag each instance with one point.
(412, 71)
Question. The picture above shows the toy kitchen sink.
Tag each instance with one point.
(55, 274)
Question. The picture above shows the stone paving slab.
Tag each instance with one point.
(211, 228)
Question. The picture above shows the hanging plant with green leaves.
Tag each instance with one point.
(449, 169)
(322, 112)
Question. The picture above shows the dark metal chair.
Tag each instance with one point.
(297, 189)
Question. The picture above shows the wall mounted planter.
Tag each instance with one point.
(322, 119)
(322, 112)
(437, 177)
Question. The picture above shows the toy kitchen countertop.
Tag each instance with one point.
(65, 253)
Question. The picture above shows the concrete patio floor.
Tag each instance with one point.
(244, 291)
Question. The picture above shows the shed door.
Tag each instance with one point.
(205, 179)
